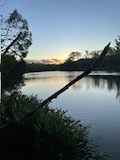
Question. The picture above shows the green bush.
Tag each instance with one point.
(49, 134)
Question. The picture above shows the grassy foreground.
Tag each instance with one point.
(48, 135)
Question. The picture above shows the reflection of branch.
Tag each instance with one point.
(56, 94)
(11, 44)
(118, 94)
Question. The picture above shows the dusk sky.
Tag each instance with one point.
(62, 26)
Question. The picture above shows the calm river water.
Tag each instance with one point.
(95, 100)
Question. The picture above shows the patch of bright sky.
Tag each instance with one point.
(62, 26)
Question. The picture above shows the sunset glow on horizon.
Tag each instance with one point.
(60, 27)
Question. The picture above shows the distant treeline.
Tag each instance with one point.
(110, 63)
(78, 61)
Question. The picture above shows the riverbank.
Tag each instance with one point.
(48, 133)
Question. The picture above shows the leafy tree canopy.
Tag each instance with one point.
(73, 56)
(11, 27)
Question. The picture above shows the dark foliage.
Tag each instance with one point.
(49, 134)
(13, 25)
(12, 73)
(110, 63)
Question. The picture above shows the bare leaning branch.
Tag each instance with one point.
(56, 94)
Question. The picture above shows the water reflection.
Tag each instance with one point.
(110, 82)
(94, 100)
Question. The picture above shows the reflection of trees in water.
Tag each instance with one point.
(110, 82)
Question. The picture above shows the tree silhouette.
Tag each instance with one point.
(11, 27)
(15, 42)
(73, 56)
(117, 45)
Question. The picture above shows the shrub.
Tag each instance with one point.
(49, 134)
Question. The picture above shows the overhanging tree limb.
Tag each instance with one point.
(56, 94)
(11, 44)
